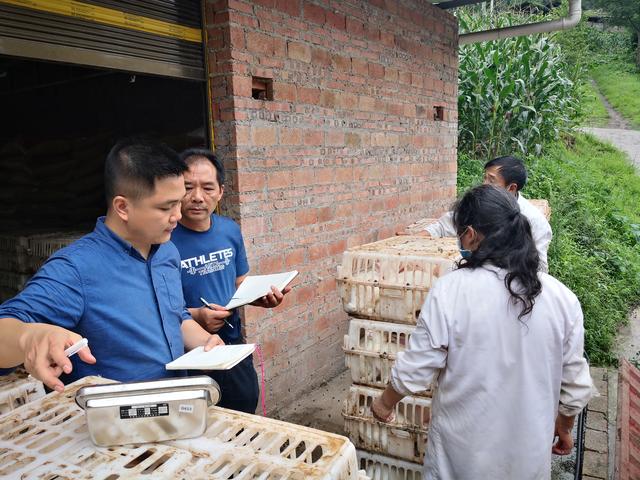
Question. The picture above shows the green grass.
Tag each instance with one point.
(593, 192)
(622, 89)
(594, 113)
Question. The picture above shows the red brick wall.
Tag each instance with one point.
(347, 152)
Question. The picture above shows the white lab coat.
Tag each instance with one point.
(540, 229)
(500, 381)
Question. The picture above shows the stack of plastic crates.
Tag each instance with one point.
(383, 286)
(21, 255)
(49, 439)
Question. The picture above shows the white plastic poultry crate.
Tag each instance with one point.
(405, 437)
(370, 349)
(381, 467)
(48, 439)
(542, 205)
(17, 389)
(389, 280)
(41, 247)
(419, 226)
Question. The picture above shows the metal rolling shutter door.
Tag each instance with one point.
(160, 37)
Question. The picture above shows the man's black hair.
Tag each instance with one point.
(191, 155)
(134, 164)
(511, 169)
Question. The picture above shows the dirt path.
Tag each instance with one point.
(620, 134)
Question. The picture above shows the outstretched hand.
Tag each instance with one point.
(272, 299)
(44, 357)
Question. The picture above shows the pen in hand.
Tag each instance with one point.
(206, 304)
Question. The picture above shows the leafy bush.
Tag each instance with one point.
(593, 192)
(515, 94)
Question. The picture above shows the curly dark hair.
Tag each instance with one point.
(507, 241)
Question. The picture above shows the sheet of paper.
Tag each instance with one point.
(223, 357)
(255, 286)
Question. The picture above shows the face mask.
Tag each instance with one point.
(463, 251)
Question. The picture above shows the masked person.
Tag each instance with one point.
(510, 174)
(502, 344)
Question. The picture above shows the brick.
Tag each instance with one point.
(240, 6)
(306, 217)
(263, 135)
(285, 92)
(341, 62)
(335, 138)
(314, 13)
(336, 20)
(283, 221)
(308, 95)
(376, 70)
(251, 181)
(242, 135)
(294, 258)
(241, 86)
(280, 179)
(273, 263)
(259, 43)
(355, 27)
(359, 66)
(320, 56)
(325, 214)
(290, 136)
(313, 137)
(299, 51)
(317, 252)
(290, 7)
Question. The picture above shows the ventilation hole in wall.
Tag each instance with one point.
(438, 113)
(262, 88)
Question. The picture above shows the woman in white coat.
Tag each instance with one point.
(503, 346)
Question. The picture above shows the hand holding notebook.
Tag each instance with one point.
(222, 357)
(256, 286)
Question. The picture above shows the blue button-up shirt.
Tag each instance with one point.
(130, 309)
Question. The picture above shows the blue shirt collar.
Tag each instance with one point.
(119, 243)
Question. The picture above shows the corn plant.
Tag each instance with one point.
(515, 94)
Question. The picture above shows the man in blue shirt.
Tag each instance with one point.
(214, 263)
(119, 286)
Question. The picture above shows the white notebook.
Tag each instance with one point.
(255, 286)
(222, 357)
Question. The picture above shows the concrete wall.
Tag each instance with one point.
(346, 152)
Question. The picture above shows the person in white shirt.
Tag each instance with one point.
(509, 173)
(502, 345)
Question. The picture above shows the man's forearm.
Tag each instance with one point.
(193, 335)
(11, 344)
